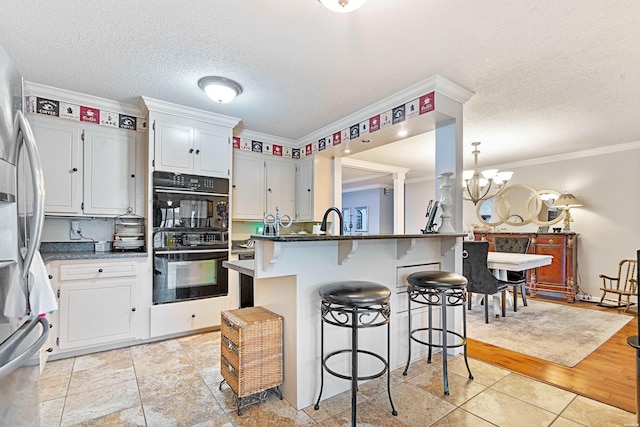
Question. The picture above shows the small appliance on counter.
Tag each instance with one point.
(129, 233)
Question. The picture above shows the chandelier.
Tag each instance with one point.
(482, 185)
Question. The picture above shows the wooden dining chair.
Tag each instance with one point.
(479, 277)
(624, 285)
(515, 279)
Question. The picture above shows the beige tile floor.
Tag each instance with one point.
(175, 383)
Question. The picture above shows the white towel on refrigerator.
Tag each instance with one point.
(42, 300)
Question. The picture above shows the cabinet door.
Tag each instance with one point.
(95, 312)
(304, 190)
(212, 151)
(281, 188)
(109, 171)
(60, 149)
(174, 150)
(248, 187)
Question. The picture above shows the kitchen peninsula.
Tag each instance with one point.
(287, 272)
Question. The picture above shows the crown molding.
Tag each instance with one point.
(155, 105)
(436, 83)
(37, 89)
(264, 137)
(628, 146)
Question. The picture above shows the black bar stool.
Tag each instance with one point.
(442, 289)
(355, 305)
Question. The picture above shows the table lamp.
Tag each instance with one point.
(567, 201)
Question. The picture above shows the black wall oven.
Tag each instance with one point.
(190, 237)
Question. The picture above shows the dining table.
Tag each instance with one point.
(501, 262)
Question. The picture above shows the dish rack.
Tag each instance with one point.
(129, 233)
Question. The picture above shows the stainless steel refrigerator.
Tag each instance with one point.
(23, 331)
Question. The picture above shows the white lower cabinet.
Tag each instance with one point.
(179, 317)
(96, 303)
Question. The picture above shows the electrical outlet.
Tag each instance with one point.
(74, 231)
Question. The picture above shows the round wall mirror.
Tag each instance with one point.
(548, 213)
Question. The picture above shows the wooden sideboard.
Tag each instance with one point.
(559, 277)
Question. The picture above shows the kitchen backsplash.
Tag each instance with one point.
(56, 229)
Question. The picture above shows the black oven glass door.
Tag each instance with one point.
(186, 275)
(186, 209)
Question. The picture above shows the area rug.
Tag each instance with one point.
(557, 333)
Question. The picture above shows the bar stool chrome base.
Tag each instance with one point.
(355, 305)
(439, 289)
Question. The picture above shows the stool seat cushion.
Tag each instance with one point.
(355, 293)
(436, 279)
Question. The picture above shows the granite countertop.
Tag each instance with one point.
(65, 251)
(321, 237)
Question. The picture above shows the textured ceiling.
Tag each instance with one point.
(548, 76)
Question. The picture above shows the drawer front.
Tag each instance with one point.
(97, 270)
(230, 351)
(229, 329)
(186, 316)
(551, 240)
(230, 374)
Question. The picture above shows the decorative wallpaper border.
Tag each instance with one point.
(414, 108)
(65, 110)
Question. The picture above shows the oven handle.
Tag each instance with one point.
(192, 251)
(197, 193)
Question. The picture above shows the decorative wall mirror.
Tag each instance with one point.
(518, 205)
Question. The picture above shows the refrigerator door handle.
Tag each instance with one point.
(25, 135)
(19, 360)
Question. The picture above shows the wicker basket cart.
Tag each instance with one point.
(251, 361)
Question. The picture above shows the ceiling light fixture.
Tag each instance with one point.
(482, 185)
(342, 6)
(220, 89)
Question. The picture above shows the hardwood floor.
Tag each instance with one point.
(607, 375)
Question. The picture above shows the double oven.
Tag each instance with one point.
(190, 237)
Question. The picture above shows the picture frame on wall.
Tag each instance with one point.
(361, 218)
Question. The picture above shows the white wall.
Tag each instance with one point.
(380, 209)
(608, 223)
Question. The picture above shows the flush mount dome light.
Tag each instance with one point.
(342, 6)
(220, 89)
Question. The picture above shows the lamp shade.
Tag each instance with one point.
(342, 6)
(567, 200)
(220, 89)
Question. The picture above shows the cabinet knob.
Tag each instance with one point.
(99, 270)
(193, 315)
(133, 309)
(50, 349)
(551, 241)
(197, 151)
(309, 190)
(269, 190)
(50, 277)
(233, 186)
(133, 176)
(74, 169)
(190, 150)
(50, 325)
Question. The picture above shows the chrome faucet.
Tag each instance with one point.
(323, 226)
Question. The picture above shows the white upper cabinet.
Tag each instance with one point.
(314, 188)
(280, 177)
(88, 169)
(248, 186)
(109, 171)
(60, 151)
(173, 147)
(190, 141)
